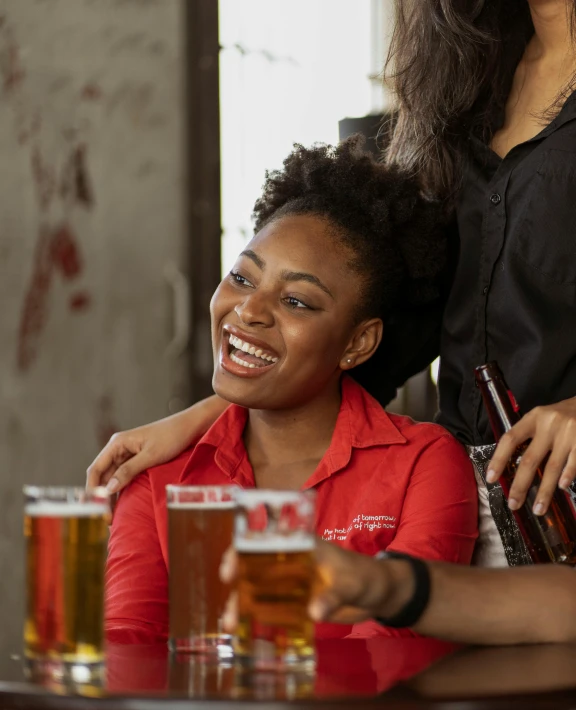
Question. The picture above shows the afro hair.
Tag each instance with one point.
(396, 236)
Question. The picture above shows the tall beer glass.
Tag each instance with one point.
(66, 531)
(200, 522)
(274, 538)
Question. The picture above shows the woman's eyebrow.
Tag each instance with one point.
(310, 278)
(260, 263)
(288, 275)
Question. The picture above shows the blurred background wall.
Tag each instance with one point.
(123, 126)
(92, 238)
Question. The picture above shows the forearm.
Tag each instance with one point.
(197, 419)
(481, 606)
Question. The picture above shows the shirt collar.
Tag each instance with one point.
(226, 436)
(362, 423)
(567, 113)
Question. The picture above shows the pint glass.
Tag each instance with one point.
(66, 531)
(274, 538)
(200, 522)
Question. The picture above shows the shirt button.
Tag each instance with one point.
(485, 290)
(495, 199)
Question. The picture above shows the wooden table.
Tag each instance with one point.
(393, 673)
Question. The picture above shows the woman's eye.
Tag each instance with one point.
(295, 303)
(239, 279)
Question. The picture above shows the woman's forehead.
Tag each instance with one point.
(303, 239)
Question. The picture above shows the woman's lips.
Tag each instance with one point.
(241, 358)
(244, 351)
(248, 343)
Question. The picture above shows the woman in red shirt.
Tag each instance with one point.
(341, 244)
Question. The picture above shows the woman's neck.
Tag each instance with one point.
(552, 38)
(285, 446)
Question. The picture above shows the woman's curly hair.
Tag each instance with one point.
(396, 236)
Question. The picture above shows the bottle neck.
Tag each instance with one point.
(500, 405)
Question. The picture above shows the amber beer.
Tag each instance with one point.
(66, 531)
(550, 537)
(275, 542)
(200, 522)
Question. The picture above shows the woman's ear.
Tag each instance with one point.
(363, 343)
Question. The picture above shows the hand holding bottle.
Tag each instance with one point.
(552, 431)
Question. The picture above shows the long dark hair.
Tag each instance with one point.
(452, 64)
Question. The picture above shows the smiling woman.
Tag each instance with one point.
(293, 298)
(340, 242)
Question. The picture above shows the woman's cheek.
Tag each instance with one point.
(312, 344)
(222, 301)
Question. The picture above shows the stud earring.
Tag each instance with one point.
(349, 361)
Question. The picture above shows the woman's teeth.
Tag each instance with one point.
(240, 345)
(237, 360)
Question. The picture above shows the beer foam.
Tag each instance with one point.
(274, 543)
(58, 509)
(210, 505)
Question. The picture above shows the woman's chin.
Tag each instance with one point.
(245, 393)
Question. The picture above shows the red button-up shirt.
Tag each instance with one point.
(385, 482)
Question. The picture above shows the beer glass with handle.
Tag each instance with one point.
(200, 522)
(66, 532)
(274, 539)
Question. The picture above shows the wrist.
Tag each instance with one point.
(398, 589)
(409, 591)
(199, 417)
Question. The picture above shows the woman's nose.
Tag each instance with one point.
(254, 310)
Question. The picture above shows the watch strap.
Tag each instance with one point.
(416, 605)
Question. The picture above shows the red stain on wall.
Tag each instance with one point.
(65, 254)
(44, 179)
(91, 92)
(35, 311)
(11, 69)
(56, 252)
(79, 301)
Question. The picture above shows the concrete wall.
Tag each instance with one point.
(91, 231)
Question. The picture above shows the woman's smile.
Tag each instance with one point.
(284, 315)
(245, 356)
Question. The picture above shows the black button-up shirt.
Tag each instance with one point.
(513, 294)
(513, 298)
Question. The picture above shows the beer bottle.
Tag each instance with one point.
(550, 537)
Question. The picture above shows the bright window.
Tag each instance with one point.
(289, 72)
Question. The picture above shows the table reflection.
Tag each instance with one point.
(499, 671)
(345, 668)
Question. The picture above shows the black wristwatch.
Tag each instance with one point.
(416, 605)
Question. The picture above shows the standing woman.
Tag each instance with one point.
(487, 120)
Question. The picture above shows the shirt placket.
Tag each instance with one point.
(493, 235)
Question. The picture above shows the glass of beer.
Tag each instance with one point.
(200, 523)
(274, 539)
(66, 531)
